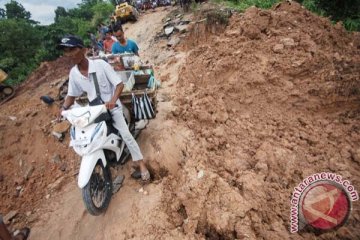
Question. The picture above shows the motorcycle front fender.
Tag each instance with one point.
(87, 166)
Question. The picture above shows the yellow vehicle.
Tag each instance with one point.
(6, 92)
(125, 11)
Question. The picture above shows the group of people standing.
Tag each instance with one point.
(112, 40)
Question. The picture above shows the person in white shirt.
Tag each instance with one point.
(110, 86)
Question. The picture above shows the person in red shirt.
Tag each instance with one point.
(108, 42)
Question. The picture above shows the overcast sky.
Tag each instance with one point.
(43, 10)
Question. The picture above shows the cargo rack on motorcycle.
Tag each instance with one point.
(141, 78)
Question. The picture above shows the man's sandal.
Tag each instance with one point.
(136, 174)
(145, 176)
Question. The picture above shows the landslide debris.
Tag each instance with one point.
(270, 99)
(30, 173)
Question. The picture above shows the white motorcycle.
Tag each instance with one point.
(95, 139)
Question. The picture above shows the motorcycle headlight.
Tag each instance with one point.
(82, 121)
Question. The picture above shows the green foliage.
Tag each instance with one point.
(19, 43)
(310, 5)
(347, 11)
(83, 12)
(194, 6)
(7, 63)
(2, 13)
(60, 12)
(24, 44)
(16, 10)
(114, 2)
(82, 27)
(352, 24)
(102, 11)
(242, 5)
(66, 25)
(340, 9)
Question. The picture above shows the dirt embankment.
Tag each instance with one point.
(256, 107)
(33, 163)
(269, 100)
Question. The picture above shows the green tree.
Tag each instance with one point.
(83, 12)
(102, 11)
(339, 9)
(347, 11)
(16, 10)
(90, 2)
(114, 2)
(19, 43)
(60, 12)
(24, 43)
(2, 13)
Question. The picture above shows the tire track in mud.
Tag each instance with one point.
(131, 214)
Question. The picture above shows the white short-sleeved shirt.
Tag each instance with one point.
(106, 76)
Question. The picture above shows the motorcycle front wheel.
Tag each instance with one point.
(97, 193)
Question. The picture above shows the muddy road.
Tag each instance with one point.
(249, 106)
(131, 214)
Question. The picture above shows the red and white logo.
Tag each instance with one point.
(322, 201)
(324, 206)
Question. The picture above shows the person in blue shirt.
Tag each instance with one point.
(124, 45)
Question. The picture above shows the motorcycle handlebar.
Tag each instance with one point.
(110, 56)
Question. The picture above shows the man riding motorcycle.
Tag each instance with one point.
(110, 86)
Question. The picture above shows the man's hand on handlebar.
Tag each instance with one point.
(110, 105)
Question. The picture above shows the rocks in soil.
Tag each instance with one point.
(177, 25)
(58, 136)
(261, 100)
(168, 31)
(181, 28)
(56, 158)
(287, 42)
(278, 48)
(61, 127)
(28, 172)
(355, 155)
(173, 42)
(57, 184)
(9, 216)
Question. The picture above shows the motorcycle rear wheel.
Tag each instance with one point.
(97, 193)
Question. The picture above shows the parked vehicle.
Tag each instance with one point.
(6, 91)
(124, 11)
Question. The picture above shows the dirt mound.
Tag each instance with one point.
(34, 164)
(260, 104)
(271, 99)
(46, 72)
